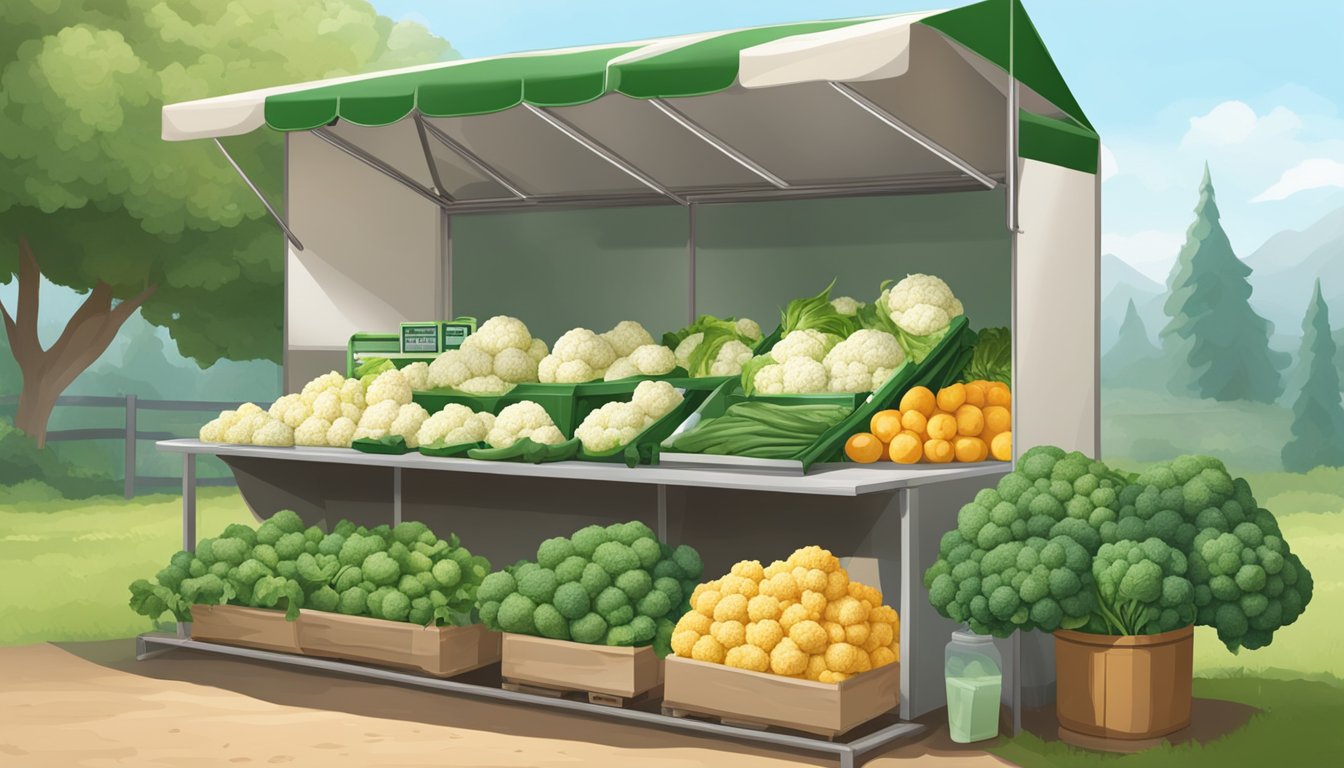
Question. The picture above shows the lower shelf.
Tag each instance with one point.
(849, 749)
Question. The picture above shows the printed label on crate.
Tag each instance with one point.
(420, 337)
(454, 335)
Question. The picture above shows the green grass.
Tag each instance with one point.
(65, 565)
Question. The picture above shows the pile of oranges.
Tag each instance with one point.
(963, 422)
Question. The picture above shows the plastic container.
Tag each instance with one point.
(974, 675)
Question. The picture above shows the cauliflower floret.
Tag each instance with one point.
(499, 333)
(417, 375)
(454, 424)
(730, 359)
(769, 379)
(546, 369)
(249, 409)
(457, 365)
(610, 427)
(548, 435)
(313, 431)
(328, 405)
(749, 328)
(583, 344)
(297, 413)
(854, 363)
(656, 398)
(880, 377)
(330, 380)
(240, 431)
(621, 369)
(515, 365)
(281, 405)
(377, 418)
(352, 392)
(273, 432)
(653, 359)
(351, 411)
(538, 350)
(627, 336)
(922, 319)
(407, 423)
(342, 433)
(213, 431)
(389, 385)
(686, 348)
(575, 372)
(804, 376)
(807, 343)
(517, 421)
(485, 385)
(846, 305)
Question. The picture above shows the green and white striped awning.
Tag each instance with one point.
(941, 74)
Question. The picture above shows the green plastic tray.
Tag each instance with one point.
(526, 450)
(641, 450)
(388, 446)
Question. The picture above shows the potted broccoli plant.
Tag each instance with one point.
(1120, 568)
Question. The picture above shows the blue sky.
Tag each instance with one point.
(1252, 88)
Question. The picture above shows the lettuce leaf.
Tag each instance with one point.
(992, 359)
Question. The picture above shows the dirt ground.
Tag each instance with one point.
(90, 705)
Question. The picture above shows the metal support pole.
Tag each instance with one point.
(691, 235)
(189, 502)
(239, 169)
(396, 495)
(475, 160)
(429, 157)
(728, 150)
(1017, 682)
(379, 166)
(1013, 117)
(128, 483)
(594, 146)
(662, 514)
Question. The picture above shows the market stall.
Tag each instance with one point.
(716, 173)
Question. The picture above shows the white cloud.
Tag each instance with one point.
(1233, 123)
(1151, 252)
(1315, 173)
(1109, 167)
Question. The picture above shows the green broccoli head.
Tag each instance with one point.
(241, 532)
(324, 599)
(615, 558)
(620, 635)
(448, 574)
(496, 586)
(516, 614)
(407, 533)
(290, 545)
(396, 606)
(287, 521)
(489, 613)
(552, 552)
(635, 584)
(653, 605)
(411, 586)
(550, 623)
(689, 561)
(537, 584)
(354, 602)
(230, 550)
(570, 569)
(587, 540)
(572, 600)
(381, 569)
(594, 579)
(590, 628)
(648, 551)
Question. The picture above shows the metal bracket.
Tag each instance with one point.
(380, 166)
(680, 118)
(289, 234)
(592, 145)
(872, 108)
(471, 157)
(429, 156)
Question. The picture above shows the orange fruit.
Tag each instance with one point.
(915, 422)
(975, 393)
(885, 424)
(863, 448)
(943, 426)
(997, 419)
(970, 421)
(970, 449)
(938, 451)
(951, 397)
(905, 448)
(997, 394)
(1002, 447)
(918, 399)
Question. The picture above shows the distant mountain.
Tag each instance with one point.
(1120, 285)
(1288, 263)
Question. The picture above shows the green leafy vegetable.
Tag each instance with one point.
(816, 313)
(702, 358)
(749, 372)
(992, 359)
(876, 317)
(703, 324)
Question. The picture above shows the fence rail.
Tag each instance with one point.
(130, 435)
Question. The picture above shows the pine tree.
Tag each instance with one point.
(1219, 345)
(1133, 358)
(1318, 418)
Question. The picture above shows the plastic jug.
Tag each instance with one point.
(974, 676)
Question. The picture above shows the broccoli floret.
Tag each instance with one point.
(324, 599)
(354, 601)
(375, 601)
(231, 551)
(615, 558)
(648, 552)
(538, 585)
(381, 569)
(287, 521)
(516, 615)
(587, 540)
(248, 572)
(970, 520)
(591, 628)
(670, 589)
(570, 569)
(278, 592)
(396, 606)
(496, 586)
(411, 586)
(653, 605)
(290, 546)
(620, 635)
(419, 563)
(689, 561)
(550, 623)
(668, 569)
(240, 531)
(644, 629)
(448, 574)
(630, 532)
(269, 533)
(422, 611)
(572, 600)
(349, 576)
(398, 552)
(635, 584)
(331, 545)
(408, 532)
(552, 552)
(489, 613)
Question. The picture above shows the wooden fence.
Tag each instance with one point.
(130, 435)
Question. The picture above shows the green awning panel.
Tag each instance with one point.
(1058, 142)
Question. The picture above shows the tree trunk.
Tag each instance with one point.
(47, 372)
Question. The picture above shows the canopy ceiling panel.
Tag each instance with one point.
(396, 144)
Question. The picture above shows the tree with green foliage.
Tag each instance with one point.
(94, 200)
(1217, 342)
(1133, 360)
(1318, 418)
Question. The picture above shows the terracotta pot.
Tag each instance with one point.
(1124, 687)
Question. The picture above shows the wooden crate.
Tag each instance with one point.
(250, 627)
(740, 696)
(436, 651)
(560, 665)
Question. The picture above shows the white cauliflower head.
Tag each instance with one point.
(485, 385)
(749, 328)
(407, 423)
(249, 409)
(378, 418)
(621, 369)
(686, 348)
(922, 304)
(518, 421)
(538, 350)
(312, 432)
(656, 399)
(417, 375)
(499, 333)
(282, 404)
(576, 372)
(273, 432)
(515, 365)
(922, 319)
(330, 380)
(328, 405)
(846, 305)
(352, 392)
(581, 344)
(653, 359)
(342, 433)
(213, 431)
(389, 385)
(548, 435)
(626, 337)
(610, 427)
(803, 376)
(730, 359)
(244, 424)
(453, 425)
(853, 363)
(457, 365)
(807, 343)
(297, 413)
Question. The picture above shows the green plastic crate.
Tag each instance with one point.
(642, 450)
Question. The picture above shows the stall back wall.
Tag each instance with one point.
(558, 270)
